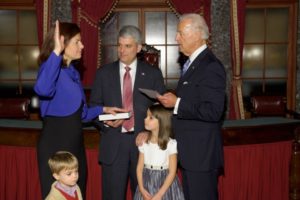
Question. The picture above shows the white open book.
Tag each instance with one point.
(105, 117)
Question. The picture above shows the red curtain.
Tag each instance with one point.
(87, 13)
(19, 174)
(192, 6)
(237, 19)
(252, 172)
(256, 172)
(42, 14)
(93, 189)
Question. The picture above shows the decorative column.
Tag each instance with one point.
(220, 38)
(61, 10)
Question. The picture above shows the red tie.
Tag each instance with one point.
(128, 99)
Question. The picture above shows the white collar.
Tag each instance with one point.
(132, 65)
(197, 52)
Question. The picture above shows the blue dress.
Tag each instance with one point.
(63, 108)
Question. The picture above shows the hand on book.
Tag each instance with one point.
(114, 117)
(114, 110)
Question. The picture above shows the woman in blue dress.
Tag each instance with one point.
(62, 101)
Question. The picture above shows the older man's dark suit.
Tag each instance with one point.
(197, 125)
(107, 91)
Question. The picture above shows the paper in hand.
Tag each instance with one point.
(150, 93)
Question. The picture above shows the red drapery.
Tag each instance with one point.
(87, 14)
(19, 174)
(252, 172)
(237, 19)
(42, 13)
(192, 6)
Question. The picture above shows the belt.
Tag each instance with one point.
(128, 133)
(155, 167)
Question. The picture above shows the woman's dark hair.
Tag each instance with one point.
(66, 29)
(163, 115)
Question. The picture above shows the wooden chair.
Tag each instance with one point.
(268, 106)
(150, 55)
(271, 106)
(17, 107)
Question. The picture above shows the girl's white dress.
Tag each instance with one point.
(156, 165)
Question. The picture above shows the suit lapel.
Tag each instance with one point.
(139, 76)
(197, 63)
(117, 84)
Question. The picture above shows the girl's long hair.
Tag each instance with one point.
(163, 115)
(66, 29)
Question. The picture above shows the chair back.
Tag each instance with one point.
(14, 108)
(268, 106)
(150, 55)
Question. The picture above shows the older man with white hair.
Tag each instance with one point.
(198, 110)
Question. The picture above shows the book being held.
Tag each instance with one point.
(107, 117)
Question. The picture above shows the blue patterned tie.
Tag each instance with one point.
(185, 66)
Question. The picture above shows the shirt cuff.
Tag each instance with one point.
(175, 111)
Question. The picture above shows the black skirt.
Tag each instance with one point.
(61, 134)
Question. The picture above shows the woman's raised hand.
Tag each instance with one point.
(58, 40)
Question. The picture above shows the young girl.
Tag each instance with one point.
(157, 164)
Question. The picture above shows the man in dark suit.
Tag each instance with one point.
(118, 152)
(198, 110)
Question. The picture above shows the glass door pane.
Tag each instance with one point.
(277, 21)
(155, 28)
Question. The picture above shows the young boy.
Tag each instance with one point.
(64, 168)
